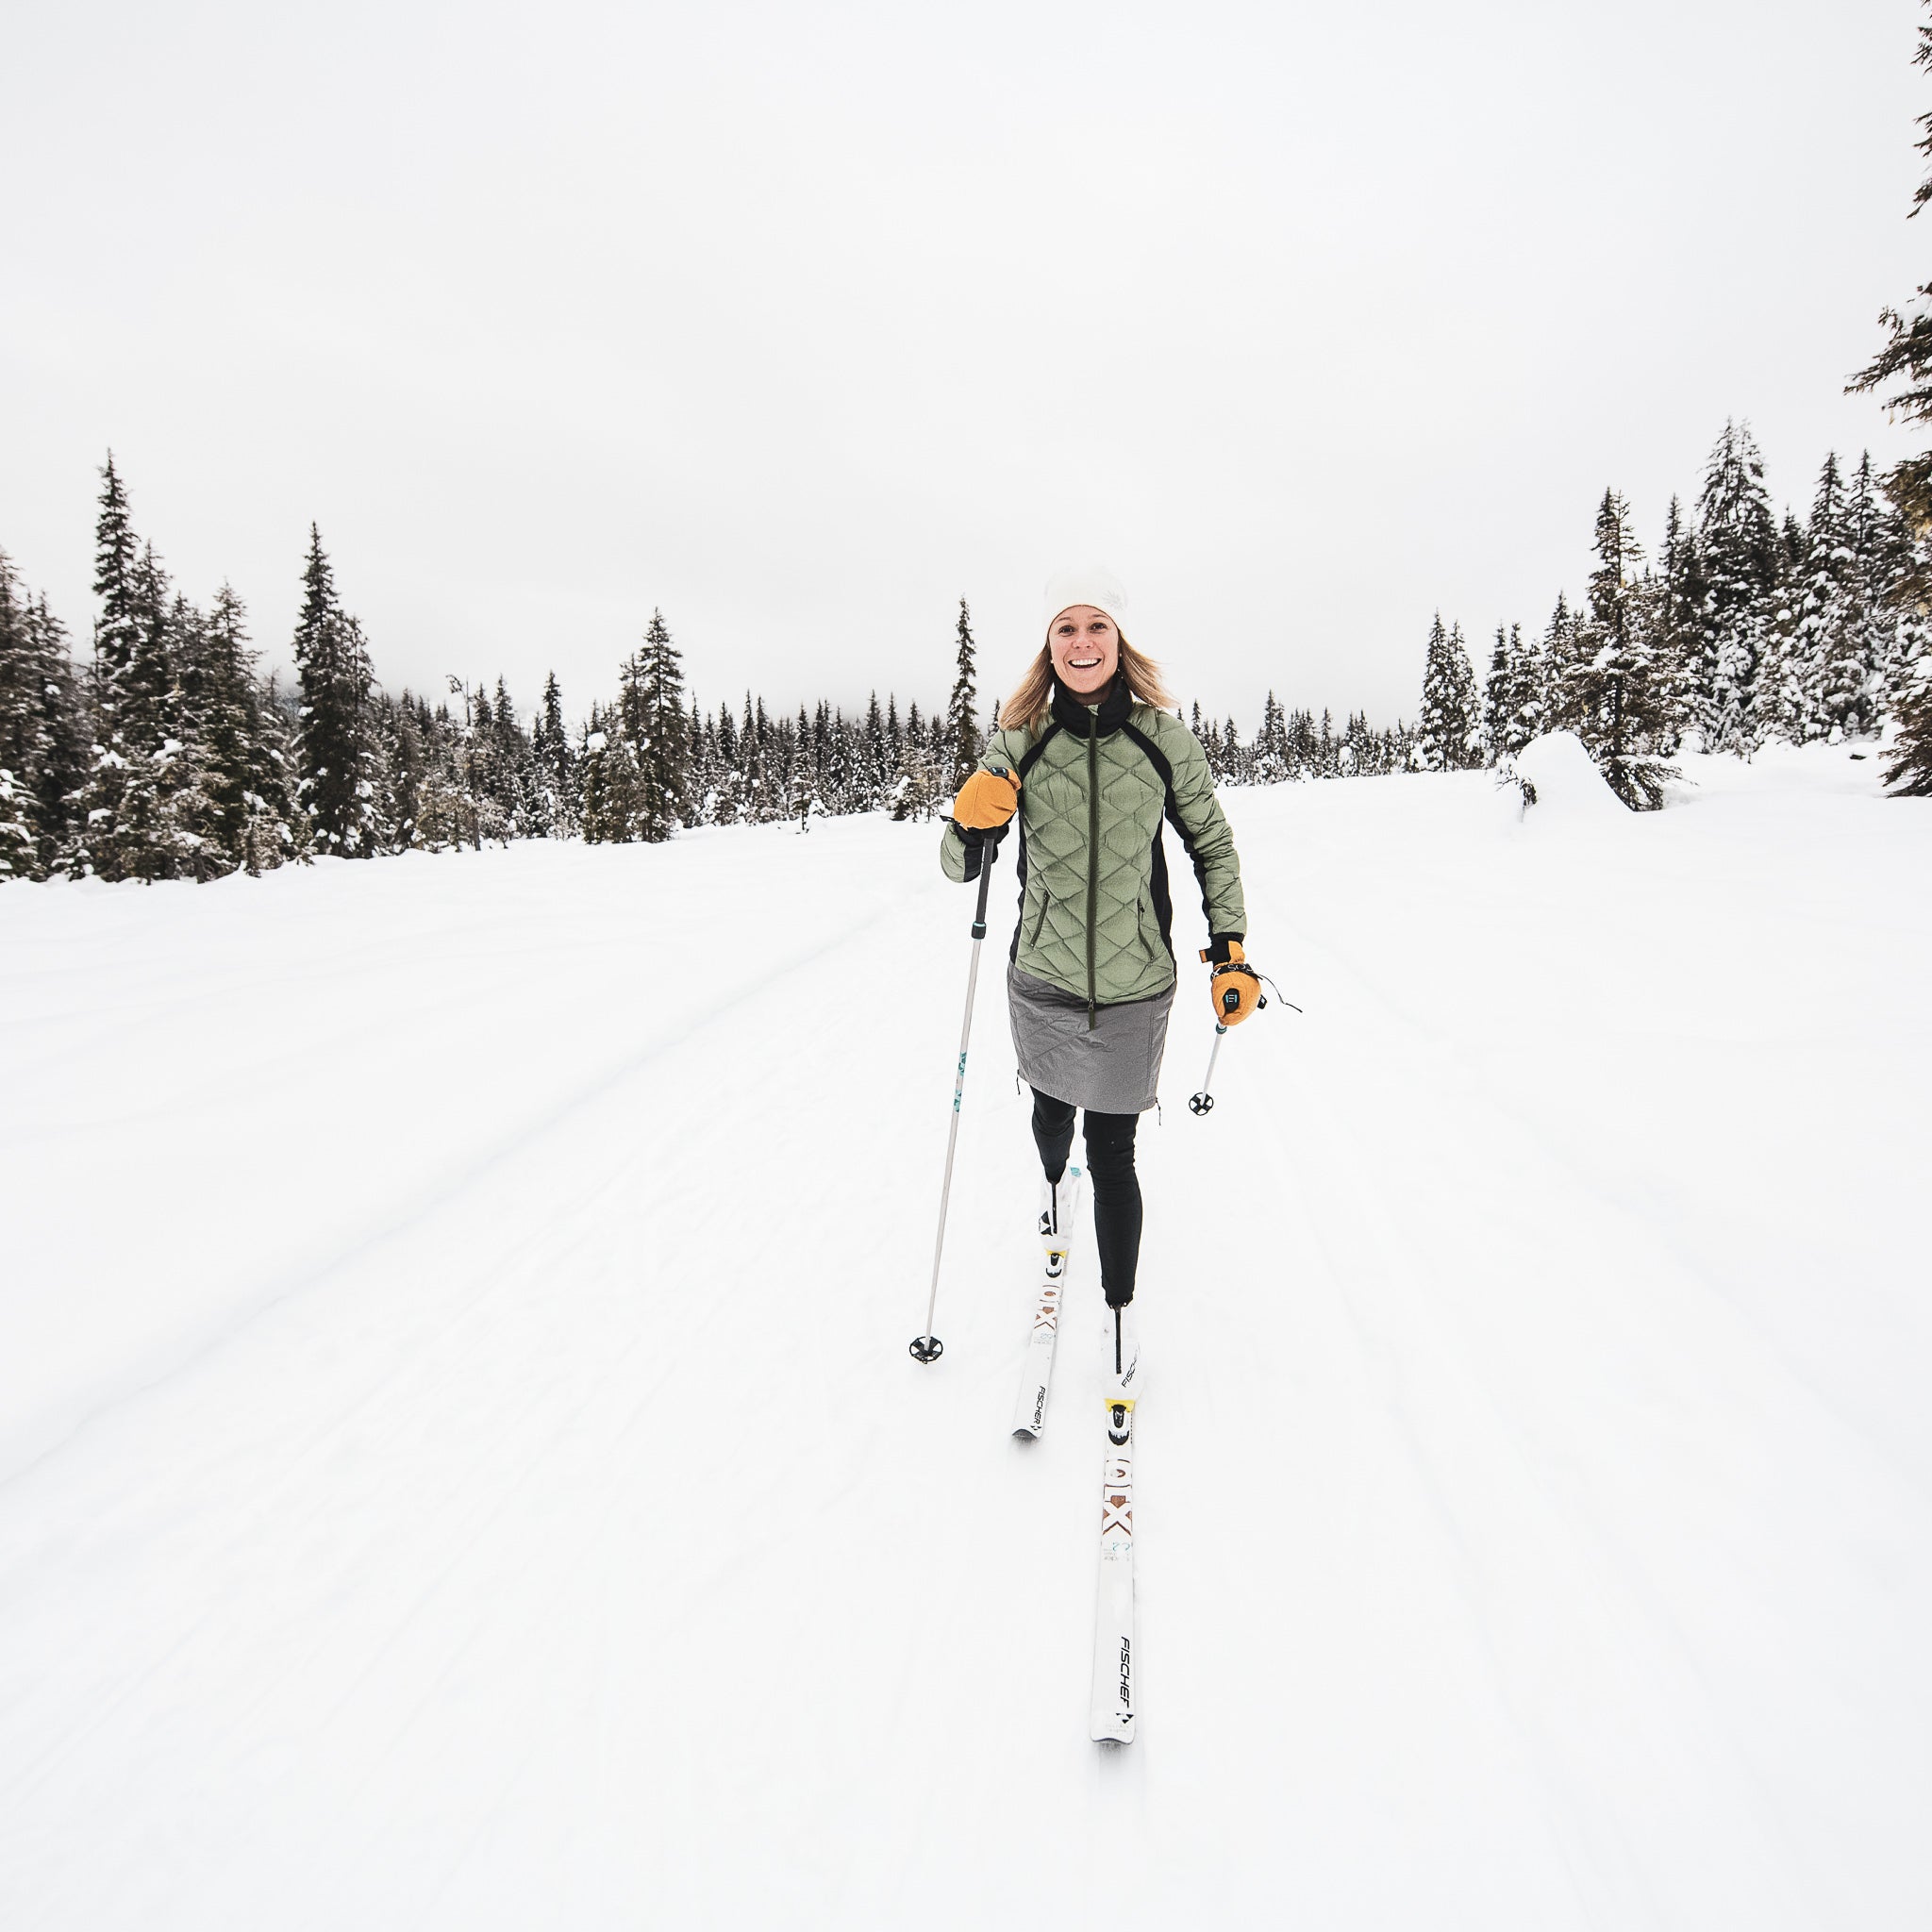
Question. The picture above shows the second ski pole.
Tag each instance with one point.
(1203, 1102)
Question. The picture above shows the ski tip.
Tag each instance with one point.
(1024, 1432)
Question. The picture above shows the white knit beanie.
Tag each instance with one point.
(1091, 584)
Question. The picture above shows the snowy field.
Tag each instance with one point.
(459, 1465)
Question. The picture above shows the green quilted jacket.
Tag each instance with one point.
(1095, 786)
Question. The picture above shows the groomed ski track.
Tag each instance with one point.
(460, 1464)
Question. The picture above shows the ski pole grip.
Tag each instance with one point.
(989, 851)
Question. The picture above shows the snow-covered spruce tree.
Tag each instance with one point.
(1269, 761)
(874, 772)
(334, 745)
(626, 814)
(1816, 691)
(664, 752)
(1875, 534)
(782, 769)
(962, 715)
(753, 773)
(608, 769)
(701, 769)
(1902, 369)
(486, 784)
(1909, 698)
(914, 783)
(426, 810)
(828, 759)
(19, 832)
(802, 800)
(1534, 658)
(1738, 540)
(1234, 765)
(513, 766)
(1787, 691)
(1449, 736)
(748, 777)
(43, 743)
(1499, 699)
(1298, 734)
(398, 728)
(1686, 670)
(1908, 770)
(1612, 688)
(209, 771)
(555, 767)
(253, 806)
(727, 797)
(128, 829)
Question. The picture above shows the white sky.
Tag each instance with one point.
(802, 321)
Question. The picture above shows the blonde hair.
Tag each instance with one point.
(1026, 707)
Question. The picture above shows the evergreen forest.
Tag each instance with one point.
(165, 753)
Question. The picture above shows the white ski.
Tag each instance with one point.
(1112, 1715)
(1059, 1212)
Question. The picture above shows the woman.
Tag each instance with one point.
(1090, 760)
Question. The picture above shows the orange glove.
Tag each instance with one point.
(985, 801)
(1234, 986)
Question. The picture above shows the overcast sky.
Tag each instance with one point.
(801, 322)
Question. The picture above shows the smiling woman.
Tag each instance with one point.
(1091, 765)
(1084, 648)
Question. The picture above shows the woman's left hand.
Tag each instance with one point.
(1234, 984)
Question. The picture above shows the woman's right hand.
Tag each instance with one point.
(986, 801)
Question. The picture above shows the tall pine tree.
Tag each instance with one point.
(1902, 369)
(1450, 733)
(125, 801)
(42, 746)
(1612, 690)
(1685, 667)
(334, 741)
(1738, 540)
(962, 721)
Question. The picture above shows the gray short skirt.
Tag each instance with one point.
(1114, 1069)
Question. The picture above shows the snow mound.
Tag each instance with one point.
(1561, 780)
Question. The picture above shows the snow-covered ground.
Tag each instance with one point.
(460, 1464)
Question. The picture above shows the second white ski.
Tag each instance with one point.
(1058, 1210)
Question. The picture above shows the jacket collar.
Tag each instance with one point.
(1109, 716)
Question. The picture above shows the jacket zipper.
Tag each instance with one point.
(1093, 857)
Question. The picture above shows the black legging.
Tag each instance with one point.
(1116, 1187)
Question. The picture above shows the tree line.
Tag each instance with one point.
(1743, 629)
(169, 755)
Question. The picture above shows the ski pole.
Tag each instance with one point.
(1203, 1102)
(927, 1347)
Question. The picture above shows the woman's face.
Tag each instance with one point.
(1085, 649)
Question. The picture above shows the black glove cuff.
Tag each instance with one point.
(1217, 954)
